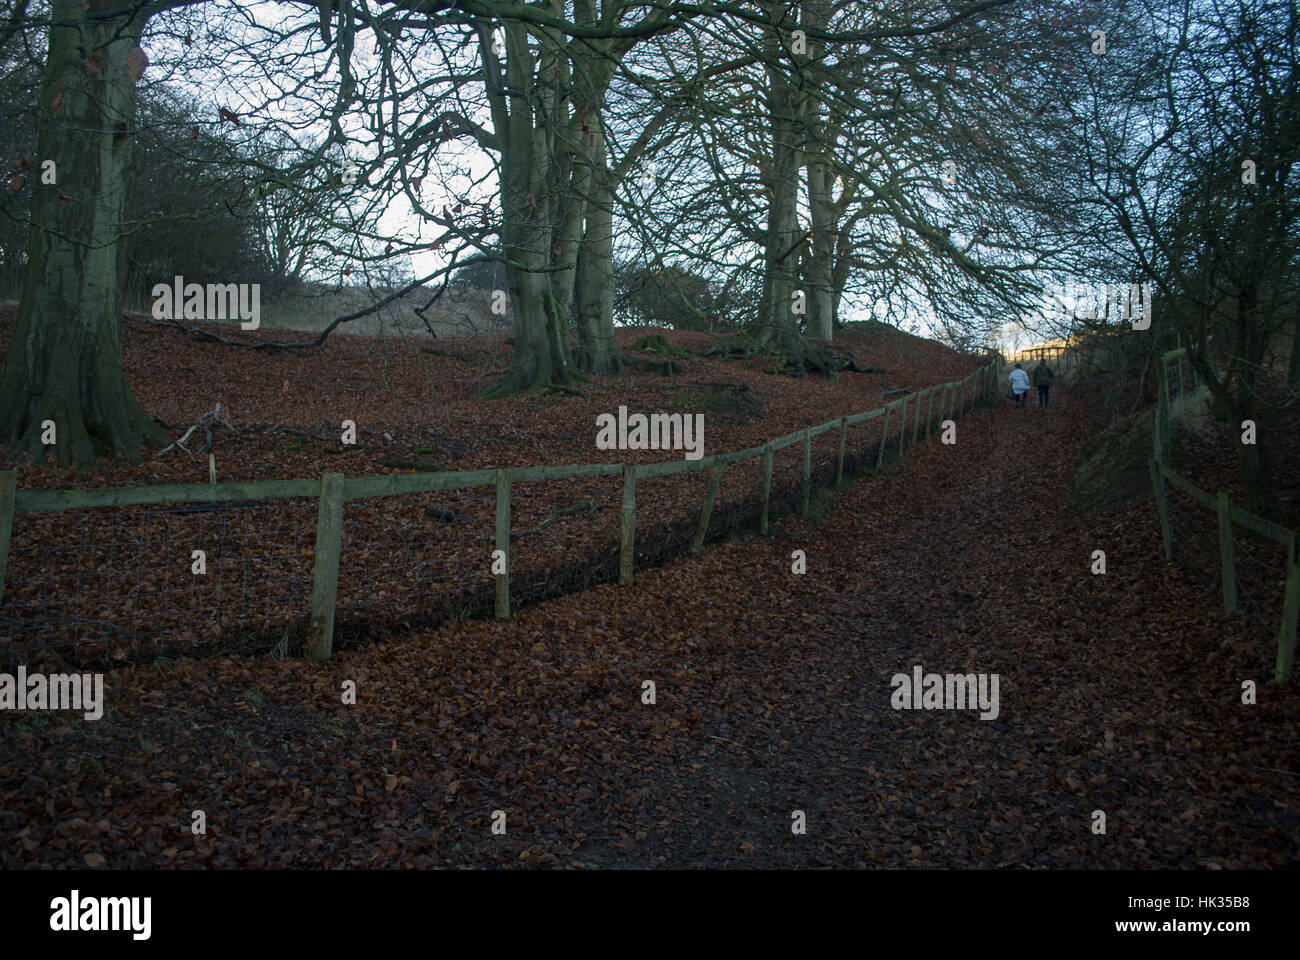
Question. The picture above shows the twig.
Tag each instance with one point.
(555, 515)
(215, 415)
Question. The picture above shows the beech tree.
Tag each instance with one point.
(64, 363)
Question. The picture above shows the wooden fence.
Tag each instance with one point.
(1228, 514)
(1063, 360)
(948, 400)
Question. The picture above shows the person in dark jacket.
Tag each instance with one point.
(1043, 381)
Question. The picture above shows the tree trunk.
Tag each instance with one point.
(1253, 461)
(818, 278)
(523, 112)
(1293, 376)
(840, 269)
(64, 363)
(778, 323)
(597, 353)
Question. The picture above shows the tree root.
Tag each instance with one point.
(793, 359)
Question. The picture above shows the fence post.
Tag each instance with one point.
(806, 492)
(628, 529)
(715, 478)
(767, 483)
(929, 413)
(839, 460)
(7, 490)
(1287, 633)
(1158, 485)
(916, 420)
(1161, 440)
(902, 425)
(503, 543)
(1227, 563)
(325, 568)
(884, 435)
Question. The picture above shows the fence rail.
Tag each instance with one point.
(333, 490)
(1227, 514)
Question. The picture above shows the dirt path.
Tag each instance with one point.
(1118, 693)
(1089, 718)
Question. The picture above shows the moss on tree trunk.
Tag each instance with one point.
(64, 363)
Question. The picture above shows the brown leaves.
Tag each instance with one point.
(136, 64)
(56, 105)
(223, 115)
(773, 689)
(91, 65)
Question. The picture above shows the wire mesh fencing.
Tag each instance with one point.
(103, 586)
(1251, 560)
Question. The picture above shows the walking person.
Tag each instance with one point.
(1020, 385)
(1043, 381)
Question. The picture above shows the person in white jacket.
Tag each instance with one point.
(1020, 385)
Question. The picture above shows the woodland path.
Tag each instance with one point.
(978, 567)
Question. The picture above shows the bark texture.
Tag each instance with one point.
(64, 363)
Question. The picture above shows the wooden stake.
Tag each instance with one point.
(884, 437)
(839, 460)
(1227, 563)
(628, 531)
(767, 484)
(806, 493)
(503, 543)
(325, 572)
(1158, 485)
(715, 479)
(1287, 633)
(7, 484)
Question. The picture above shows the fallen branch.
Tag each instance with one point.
(201, 423)
(443, 514)
(558, 512)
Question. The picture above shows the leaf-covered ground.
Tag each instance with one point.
(1119, 692)
(96, 587)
